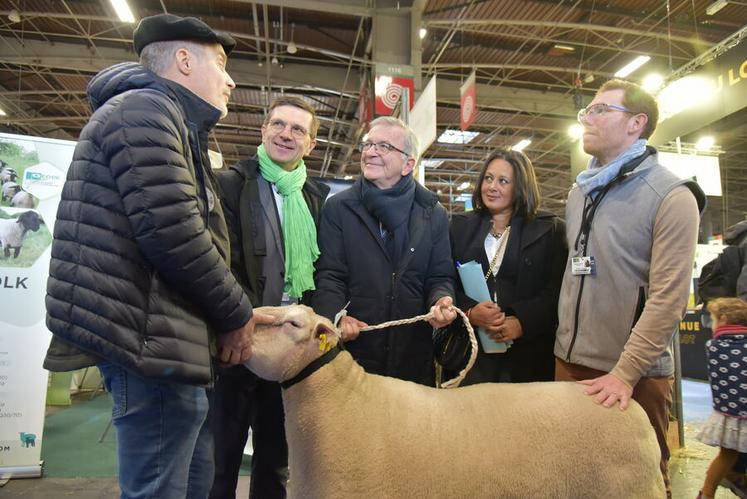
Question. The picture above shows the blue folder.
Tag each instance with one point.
(473, 282)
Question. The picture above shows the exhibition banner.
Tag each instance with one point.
(388, 90)
(32, 172)
(468, 102)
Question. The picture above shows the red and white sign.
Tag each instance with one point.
(365, 111)
(468, 102)
(388, 91)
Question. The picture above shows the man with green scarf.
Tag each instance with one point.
(272, 210)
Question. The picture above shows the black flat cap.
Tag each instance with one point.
(166, 27)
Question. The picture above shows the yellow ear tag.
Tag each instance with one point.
(324, 345)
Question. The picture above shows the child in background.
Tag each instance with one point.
(727, 367)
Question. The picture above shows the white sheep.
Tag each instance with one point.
(22, 200)
(13, 231)
(352, 434)
(10, 189)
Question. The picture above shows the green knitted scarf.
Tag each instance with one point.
(299, 231)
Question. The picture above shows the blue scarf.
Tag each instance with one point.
(597, 176)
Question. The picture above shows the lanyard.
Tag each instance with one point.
(590, 209)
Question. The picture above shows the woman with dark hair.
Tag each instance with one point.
(523, 254)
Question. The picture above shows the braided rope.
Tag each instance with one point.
(452, 383)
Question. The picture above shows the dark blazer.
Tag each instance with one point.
(244, 212)
(527, 285)
(244, 215)
(355, 266)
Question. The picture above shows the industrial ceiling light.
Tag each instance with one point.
(123, 11)
(652, 82)
(292, 49)
(521, 145)
(463, 186)
(632, 66)
(716, 6)
(275, 60)
(705, 143)
(564, 48)
(422, 32)
(14, 16)
(3, 113)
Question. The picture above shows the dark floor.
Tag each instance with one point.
(688, 465)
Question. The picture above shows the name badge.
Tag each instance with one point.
(582, 265)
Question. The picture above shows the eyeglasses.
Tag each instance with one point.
(600, 108)
(278, 126)
(382, 148)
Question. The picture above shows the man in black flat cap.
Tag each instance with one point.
(139, 280)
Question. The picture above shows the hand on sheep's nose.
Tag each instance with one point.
(235, 347)
(443, 312)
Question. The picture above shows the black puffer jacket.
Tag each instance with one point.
(139, 270)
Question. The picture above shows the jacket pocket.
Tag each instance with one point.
(176, 334)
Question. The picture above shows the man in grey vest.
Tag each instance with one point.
(632, 231)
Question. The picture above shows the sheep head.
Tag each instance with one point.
(30, 220)
(281, 350)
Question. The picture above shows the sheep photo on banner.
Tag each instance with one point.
(32, 172)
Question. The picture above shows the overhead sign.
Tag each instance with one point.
(714, 91)
(423, 116)
(365, 113)
(468, 102)
(422, 120)
(389, 83)
(388, 91)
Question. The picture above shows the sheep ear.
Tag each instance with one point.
(326, 335)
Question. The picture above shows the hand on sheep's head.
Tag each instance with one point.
(443, 312)
(295, 337)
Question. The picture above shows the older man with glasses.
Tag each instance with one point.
(272, 209)
(632, 229)
(385, 251)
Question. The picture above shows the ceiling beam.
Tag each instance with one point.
(446, 24)
(348, 7)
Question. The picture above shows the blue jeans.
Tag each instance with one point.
(164, 449)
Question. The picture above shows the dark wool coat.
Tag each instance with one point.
(355, 266)
(527, 286)
(139, 258)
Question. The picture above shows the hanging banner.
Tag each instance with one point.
(365, 111)
(389, 90)
(468, 102)
(32, 172)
